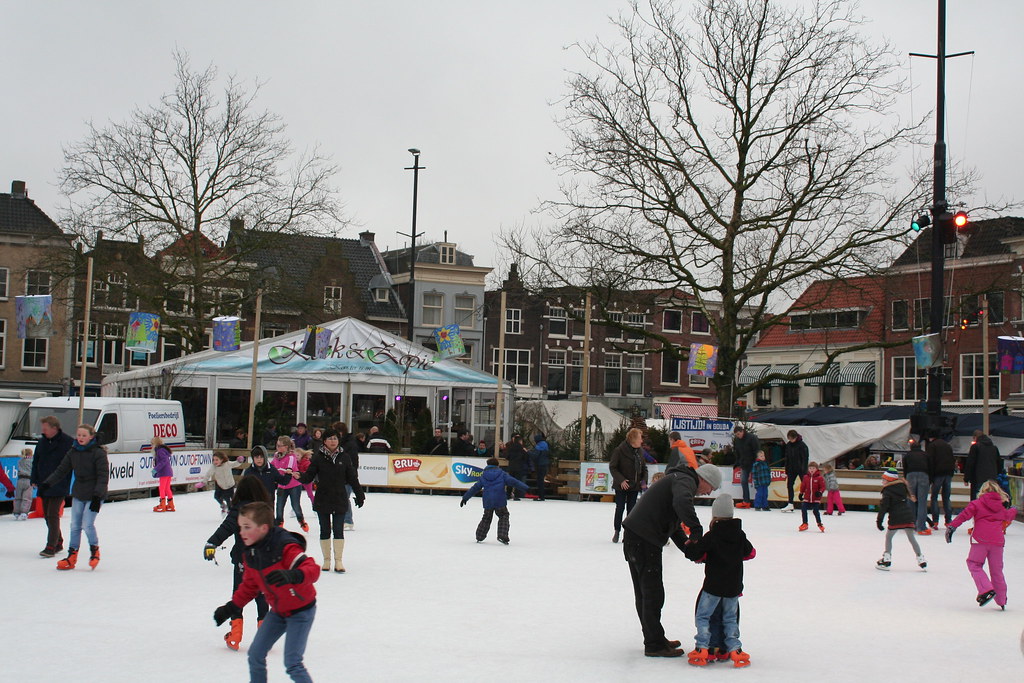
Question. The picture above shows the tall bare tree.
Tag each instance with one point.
(727, 158)
(174, 174)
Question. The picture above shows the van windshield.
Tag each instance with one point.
(27, 428)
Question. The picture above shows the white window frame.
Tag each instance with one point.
(94, 330)
(3, 343)
(333, 302)
(38, 288)
(271, 330)
(45, 354)
(5, 283)
(380, 294)
(555, 313)
(436, 317)
(634, 366)
(697, 380)
(693, 323)
(664, 324)
(465, 316)
(446, 254)
(972, 377)
(513, 321)
(906, 314)
(518, 360)
(113, 344)
(186, 301)
(613, 367)
(666, 363)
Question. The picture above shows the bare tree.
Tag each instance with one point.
(725, 161)
(174, 174)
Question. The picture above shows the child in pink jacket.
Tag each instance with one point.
(992, 514)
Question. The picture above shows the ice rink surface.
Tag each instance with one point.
(422, 601)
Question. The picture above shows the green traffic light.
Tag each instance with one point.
(921, 222)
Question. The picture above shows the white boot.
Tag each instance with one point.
(789, 508)
(325, 546)
(921, 563)
(885, 562)
(339, 549)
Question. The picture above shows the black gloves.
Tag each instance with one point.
(95, 504)
(209, 552)
(226, 611)
(881, 527)
(360, 501)
(280, 577)
(949, 533)
(462, 504)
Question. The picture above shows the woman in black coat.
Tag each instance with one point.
(797, 455)
(332, 469)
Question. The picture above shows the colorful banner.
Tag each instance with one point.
(700, 433)
(135, 470)
(449, 341)
(227, 333)
(703, 360)
(927, 350)
(143, 332)
(317, 342)
(776, 489)
(431, 471)
(34, 316)
(1011, 354)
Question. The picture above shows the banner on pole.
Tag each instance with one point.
(1010, 351)
(34, 316)
(703, 360)
(449, 341)
(927, 350)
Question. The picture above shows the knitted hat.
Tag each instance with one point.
(711, 475)
(722, 507)
(891, 474)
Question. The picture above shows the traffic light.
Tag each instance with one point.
(970, 319)
(951, 224)
(920, 223)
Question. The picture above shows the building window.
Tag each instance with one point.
(465, 311)
(5, 277)
(558, 322)
(171, 346)
(672, 321)
(698, 380)
(111, 292)
(90, 352)
(614, 333)
(865, 395)
(137, 359)
(517, 365)
(113, 347)
(380, 294)
(514, 322)
(271, 330)
(33, 354)
(825, 320)
(900, 317)
(996, 310)
(669, 370)
(763, 396)
(37, 282)
(178, 300)
(613, 374)
(433, 309)
(972, 377)
(332, 299)
(790, 395)
(910, 383)
(3, 343)
(699, 323)
(830, 394)
(556, 371)
(576, 383)
(634, 374)
(447, 254)
(922, 314)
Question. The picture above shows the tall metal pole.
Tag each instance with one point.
(935, 374)
(255, 359)
(415, 168)
(500, 396)
(85, 340)
(585, 384)
(984, 359)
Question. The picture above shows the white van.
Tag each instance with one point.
(124, 425)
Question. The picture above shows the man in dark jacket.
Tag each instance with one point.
(983, 462)
(796, 455)
(941, 465)
(745, 445)
(664, 512)
(438, 445)
(629, 473)
(463, 446)
(517, 458)
(915, 470)
(50, 451)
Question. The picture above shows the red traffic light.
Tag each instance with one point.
(960, 219)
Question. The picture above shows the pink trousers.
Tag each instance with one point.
(976, 564)
(165, 487)
(309, 490)
(834, 499)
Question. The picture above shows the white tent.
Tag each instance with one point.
(552, 417)
(827, 442)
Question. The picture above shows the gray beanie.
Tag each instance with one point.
(722, 507)
(711, 474)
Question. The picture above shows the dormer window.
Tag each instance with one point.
(447, 254)
(380, 294)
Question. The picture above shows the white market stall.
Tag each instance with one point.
(366, 372)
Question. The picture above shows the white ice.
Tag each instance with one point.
(423, 601)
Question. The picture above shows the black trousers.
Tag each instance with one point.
(791, 479)
(51, 513)
(485, 523)
(648, 588)
(624, 502)
(331, 522)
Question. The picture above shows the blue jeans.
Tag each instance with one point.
(295, 630)
(918, 484)
(745, 482)
(348, 511)
(760, 497)
(82, 517)
(943, 484)
(294, 494)
(706, 605)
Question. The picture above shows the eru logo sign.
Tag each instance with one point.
(467, 474)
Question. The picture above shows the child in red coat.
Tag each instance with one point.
(277, 566)
(811, 489)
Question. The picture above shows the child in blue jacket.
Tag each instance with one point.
(493, 481)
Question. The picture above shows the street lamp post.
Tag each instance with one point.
(415, 168)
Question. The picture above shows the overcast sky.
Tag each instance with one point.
(474, 84)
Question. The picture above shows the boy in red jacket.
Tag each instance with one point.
(811, 489)
(275, 565)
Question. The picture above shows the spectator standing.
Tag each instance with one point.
(983, 462)
(941, 465)
(540, 457)
(517, 458)
(51, 448)
(301, 437)
(796, 455)
(680, 452)
(629, 472)
(745, 445)
(439, 445)
(915, 470)
(463, 447)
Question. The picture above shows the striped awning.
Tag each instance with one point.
(670, 410)
(831, 375)
(753, 373)
(858, 372)
(785, 369)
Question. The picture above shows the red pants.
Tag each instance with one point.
(834, 499)
(165, 487)
(980, 552)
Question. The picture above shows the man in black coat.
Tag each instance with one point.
(438, 445)
(941, 465)
(463, 446)
(796, 455)
(915, 470)
(664, 512)
(745, 445)
(517, 458)
(983, 462)
(50, 451)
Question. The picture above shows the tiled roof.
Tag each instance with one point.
(823, 295)
(985, 238)
(21, 215)
(300, 253)
(398, 259)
